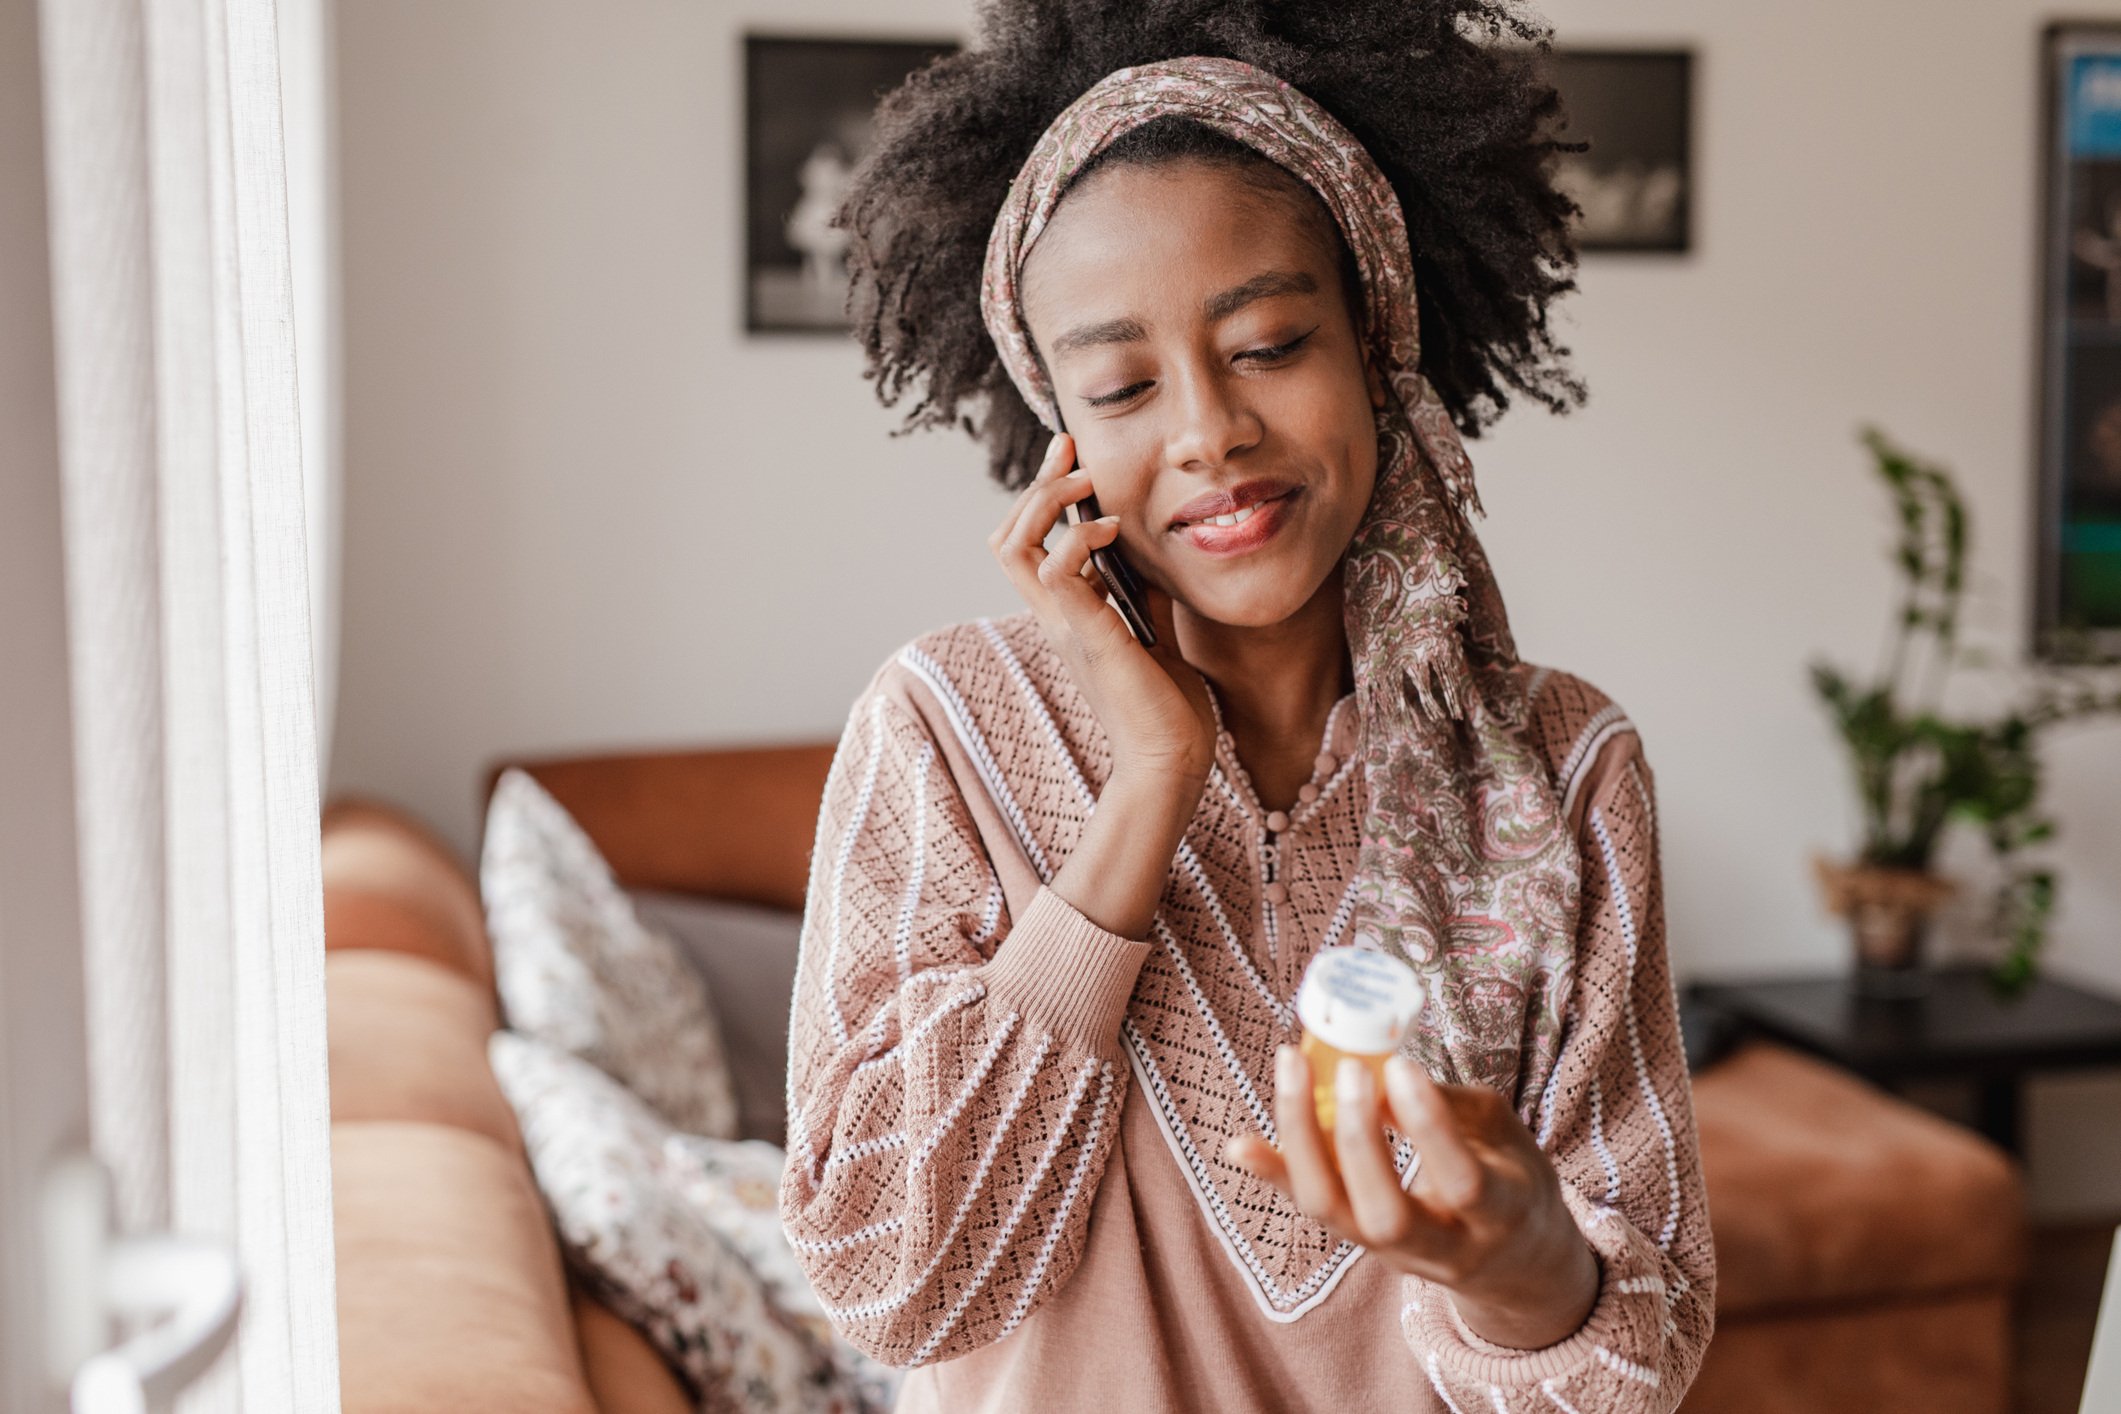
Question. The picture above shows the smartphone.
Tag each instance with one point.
(1122, 584)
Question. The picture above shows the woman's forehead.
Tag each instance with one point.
(1185, 232)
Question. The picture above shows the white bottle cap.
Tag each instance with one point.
(1358, 1000)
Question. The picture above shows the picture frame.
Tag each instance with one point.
(1635, 106)
(808, 104)
(2077, 550)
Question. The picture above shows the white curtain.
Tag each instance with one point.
(181, 445)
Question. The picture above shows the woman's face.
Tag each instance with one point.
(1200, 344)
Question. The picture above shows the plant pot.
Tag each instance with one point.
(1889, 912)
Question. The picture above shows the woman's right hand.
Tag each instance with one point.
(1153, 704)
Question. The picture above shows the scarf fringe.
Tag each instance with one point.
(1428, 685)
(1433, 685)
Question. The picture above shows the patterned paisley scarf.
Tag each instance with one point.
(1467, 868)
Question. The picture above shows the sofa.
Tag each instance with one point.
(1867, 1251)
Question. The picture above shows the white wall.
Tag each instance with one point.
(584, 509)
(307, 112)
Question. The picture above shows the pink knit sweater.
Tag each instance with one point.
(1006, 1124)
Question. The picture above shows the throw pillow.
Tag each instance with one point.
(747, 954)
(681, 1236)
(576, 967)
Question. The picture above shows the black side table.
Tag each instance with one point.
(1958, 1030)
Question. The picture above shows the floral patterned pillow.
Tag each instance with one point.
(576, 967)
(681, 1235)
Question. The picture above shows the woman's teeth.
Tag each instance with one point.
(1237, 519)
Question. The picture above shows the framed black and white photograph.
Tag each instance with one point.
(808, 106)
(2079, 514)
(1635, 108)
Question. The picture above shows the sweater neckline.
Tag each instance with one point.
(1336, 747)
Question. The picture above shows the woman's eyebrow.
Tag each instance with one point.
(1215, 308)
(1112, 331)
(1261, 286)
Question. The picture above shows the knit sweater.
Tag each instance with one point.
(1006, 1124)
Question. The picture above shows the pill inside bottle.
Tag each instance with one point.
(1354, 1004)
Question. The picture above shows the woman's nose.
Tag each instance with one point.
(1211, 422)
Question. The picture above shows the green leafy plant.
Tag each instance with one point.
(1916, 769)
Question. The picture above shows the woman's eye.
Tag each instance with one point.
(1108, 399)
(1274, 354)
(1278, 351)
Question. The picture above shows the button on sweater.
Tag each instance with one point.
(1006, 1123)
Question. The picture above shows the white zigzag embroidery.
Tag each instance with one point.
(1642, 1069)
(902, 938)
(1016, 1215)
(1068, 1195)
(839, 868)
(1609, 722)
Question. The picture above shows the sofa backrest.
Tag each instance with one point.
(734, 824)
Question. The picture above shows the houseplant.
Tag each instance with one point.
(1917, 770)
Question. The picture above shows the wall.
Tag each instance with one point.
(308, 110)
(583, 509)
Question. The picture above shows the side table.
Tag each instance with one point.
(1960, 1029)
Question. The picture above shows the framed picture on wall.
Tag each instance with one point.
(808, 105)
(2079, 515)
(1635, 108)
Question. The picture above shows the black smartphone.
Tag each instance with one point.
(1122, 584)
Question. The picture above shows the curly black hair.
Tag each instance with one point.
(1449, 96)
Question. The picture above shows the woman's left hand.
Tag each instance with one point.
(1484, 1217)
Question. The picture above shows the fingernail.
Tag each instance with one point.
(1108, 520)
(1285, 1064)
(1073, 473)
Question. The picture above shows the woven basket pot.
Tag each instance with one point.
(1888, 909)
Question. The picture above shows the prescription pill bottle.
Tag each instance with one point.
(1354, 1003)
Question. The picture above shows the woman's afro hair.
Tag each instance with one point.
(1448, 96)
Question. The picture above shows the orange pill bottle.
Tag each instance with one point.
(1353, 1004)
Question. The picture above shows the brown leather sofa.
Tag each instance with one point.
(1867, 1251)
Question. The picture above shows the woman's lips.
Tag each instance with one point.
(1250, 533)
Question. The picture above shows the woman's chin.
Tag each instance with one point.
(1231, 607)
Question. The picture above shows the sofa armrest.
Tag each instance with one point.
(389, 883)
(451, 1290)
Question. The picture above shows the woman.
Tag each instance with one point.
(1049, 1143)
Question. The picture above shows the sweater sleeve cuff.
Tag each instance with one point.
(1624, 1331)
(1065, 971)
